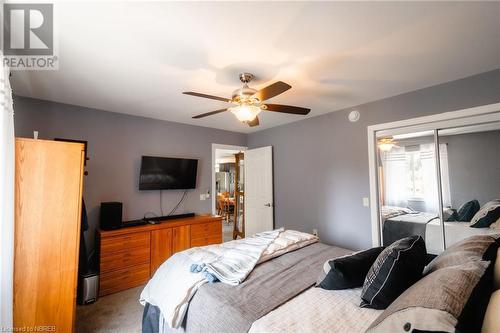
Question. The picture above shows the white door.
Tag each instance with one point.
(259, 207)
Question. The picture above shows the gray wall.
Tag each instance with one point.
(474, 164)
(321, 163)
(116, 144)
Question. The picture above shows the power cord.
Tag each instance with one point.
(184, 195)
(161, 203)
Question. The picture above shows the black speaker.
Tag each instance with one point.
(111, 215)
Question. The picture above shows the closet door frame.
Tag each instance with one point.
(466, 117)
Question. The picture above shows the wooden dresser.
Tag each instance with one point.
(130, 256)
(48, 201)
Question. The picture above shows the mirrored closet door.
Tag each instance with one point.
(437, 179)
(472, 176)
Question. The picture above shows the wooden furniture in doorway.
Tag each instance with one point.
(239, 198)
(130, 256)
(48, 201)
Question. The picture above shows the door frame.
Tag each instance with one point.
(486, 113)
(216, 146)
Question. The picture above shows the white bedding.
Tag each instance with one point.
(319, 310)
(454, 232)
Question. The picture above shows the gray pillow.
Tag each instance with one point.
(434, 303)
(471, 248)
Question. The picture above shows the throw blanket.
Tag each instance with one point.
(173, 284)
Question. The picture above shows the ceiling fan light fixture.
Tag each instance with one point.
(386, 144)
(245, 113)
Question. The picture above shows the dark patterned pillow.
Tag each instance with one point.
(396, 268)
(349, 271)
(467, 211)
(487, 215)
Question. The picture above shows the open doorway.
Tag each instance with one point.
(242, 187)
(227, 188)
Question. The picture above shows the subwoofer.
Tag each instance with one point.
(111, 215)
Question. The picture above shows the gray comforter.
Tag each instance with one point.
(217, 307)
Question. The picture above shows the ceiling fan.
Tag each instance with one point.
(387, 143)
(248, 102)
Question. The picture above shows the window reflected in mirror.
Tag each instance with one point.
(408, 190)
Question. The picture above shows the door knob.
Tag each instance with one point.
(267, 205)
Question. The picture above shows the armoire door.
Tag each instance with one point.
(48, 200)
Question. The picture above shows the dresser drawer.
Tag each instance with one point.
(206, 230)
(202, 241)
(123, 279)
(124, 242)
(117, 260)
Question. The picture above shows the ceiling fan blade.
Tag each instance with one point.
(273, 90)
(254, 122)
(209, 113)
(287, 109)
(206, 96)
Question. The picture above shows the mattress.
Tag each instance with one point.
(319, 310)
(454, 232)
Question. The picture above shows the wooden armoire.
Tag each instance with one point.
(48, 201)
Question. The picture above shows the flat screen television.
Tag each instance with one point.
(166, 173)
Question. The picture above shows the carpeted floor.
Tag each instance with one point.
(120, 312)
(227, 232)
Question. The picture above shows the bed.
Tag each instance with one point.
(454, 232)
(401, 222)
(279, 295)
(226, 308)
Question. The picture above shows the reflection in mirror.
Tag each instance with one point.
(408, 190)
(471, 206)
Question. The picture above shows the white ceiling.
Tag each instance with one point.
(137, 57)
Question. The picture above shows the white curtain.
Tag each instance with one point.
(6, 199)
(394, 166)
(445, 175)
(429, 180)
(397, 173)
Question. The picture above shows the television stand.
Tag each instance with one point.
(130, 256)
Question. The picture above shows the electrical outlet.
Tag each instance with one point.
(315, 232)
(366, 202)
(203, 196)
